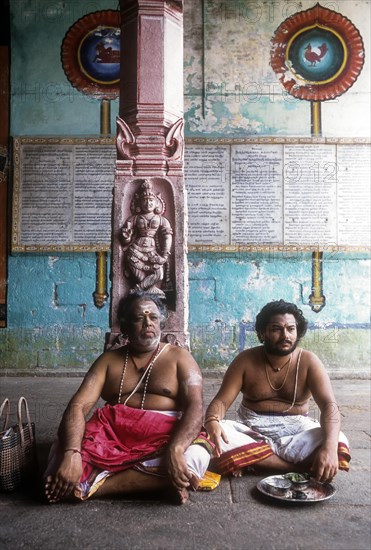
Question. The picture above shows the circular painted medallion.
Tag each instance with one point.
(318, 54)
(91, 54)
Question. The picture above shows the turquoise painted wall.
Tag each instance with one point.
(53, 324)
(52, 320)
(227, 290)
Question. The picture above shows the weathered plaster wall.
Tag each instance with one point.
(43, 100)
(52, 321)
(232, 92)
(230, 88)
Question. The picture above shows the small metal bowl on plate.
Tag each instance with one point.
(299, 481)
(277, 485)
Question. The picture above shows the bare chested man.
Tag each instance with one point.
(153, 413)
(277, 380)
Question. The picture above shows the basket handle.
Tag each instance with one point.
(4, 404)
(23, 401)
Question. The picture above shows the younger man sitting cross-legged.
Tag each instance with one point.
(147, 436)
(277, 379)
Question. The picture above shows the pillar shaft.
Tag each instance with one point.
(149, 213)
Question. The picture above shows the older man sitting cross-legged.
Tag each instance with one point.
(147, 436)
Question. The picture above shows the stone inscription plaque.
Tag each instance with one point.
(309, 180)
(255, 194)
(292, 194)
(62, 194)
(354, 189)
(208, 180)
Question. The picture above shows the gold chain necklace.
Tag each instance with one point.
(286, 375)
(276, 369)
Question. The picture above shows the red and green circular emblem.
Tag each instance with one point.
(91, 54)
(317, 53)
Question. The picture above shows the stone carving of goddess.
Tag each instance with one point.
(147, 239)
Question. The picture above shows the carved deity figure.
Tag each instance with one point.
(147, 240)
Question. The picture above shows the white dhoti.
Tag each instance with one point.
(256, 436)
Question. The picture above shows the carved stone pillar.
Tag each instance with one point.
(149, 206)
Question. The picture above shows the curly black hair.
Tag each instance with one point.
(280, 307)
(126, 303)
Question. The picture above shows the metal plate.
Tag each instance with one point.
(313, 492)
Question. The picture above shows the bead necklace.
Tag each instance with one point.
(146, 375)
(284, 380)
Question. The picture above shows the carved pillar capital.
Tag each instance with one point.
(151, 95)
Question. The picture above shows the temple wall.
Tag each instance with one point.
(232, 93)
(52, 322)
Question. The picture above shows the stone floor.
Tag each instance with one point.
(235, 516)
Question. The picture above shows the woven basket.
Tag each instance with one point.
(18, 461)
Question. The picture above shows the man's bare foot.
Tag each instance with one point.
(237, 473)
(183, 494)
(194, 482)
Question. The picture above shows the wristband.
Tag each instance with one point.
(211, 420)
(74, 450)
